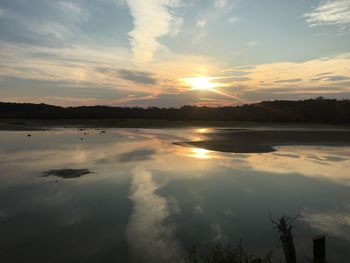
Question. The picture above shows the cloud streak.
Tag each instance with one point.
(220, 3)
(137, 76)
(329, 13)
(288, 80)
(152, 20)
(201, 22)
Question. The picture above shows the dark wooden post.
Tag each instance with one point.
(319, 249)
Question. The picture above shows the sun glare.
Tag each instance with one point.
(200, 153)
(206, 83)
(200, 83)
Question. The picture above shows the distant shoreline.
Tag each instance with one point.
(42, 124)
(318, 110)
(237, 137)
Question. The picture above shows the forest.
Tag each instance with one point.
(318, 110)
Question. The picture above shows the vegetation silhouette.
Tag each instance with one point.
(220, 253)
(225, 254)
(284, 227)
(319, 110)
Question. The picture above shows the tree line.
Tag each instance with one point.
(318, 110)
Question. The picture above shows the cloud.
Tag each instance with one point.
(223, 10)
(333, 78)
(137, 155)
(241, 79)
(288, 80)
(335, 223)
(220, 3)
(324, 73)
(106, 73)
(136, 76)
(253, 43)
(139, 77)
(308, 163)
(201, 22)
(3, 12)
(233, 19)
(70, 7)
(152, 19)
(246, 67)
(149, 238)
(216, 232)
(56, 25)
(236, 72)
(337, 78)
(329, 13)
(72, 11)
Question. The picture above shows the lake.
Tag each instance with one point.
(143, 198)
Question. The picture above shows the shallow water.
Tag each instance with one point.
(149, 200)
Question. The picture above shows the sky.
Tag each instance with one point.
(169, 53)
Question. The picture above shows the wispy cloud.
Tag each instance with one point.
(288, 80)
(233, 19)
(96, 68)
(152, 19)
(253, 43)
(201, 22)
(209, 18)
(69, 7)
(335, 223)
(60, 29)
(220, 3)
(139, 77)
(3, 12)
(331, 78)
(72, 10)
(291, 80)
(334, 12)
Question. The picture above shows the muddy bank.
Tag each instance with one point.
(263, 141)
(67, 173)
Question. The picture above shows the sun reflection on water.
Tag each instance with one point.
(200, 153)
(203, 130)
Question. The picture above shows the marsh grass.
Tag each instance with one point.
(225, 254)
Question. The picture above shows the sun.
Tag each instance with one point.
(206, 83)
(200, 83)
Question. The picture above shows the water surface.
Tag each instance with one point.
(148, 200)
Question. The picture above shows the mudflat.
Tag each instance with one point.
(238, 137)
(262, 141)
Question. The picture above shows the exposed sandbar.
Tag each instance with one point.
(262, 141)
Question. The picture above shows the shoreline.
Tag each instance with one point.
(231, 137)
(44, 124)
(264, 141)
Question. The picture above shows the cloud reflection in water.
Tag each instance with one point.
(150, 239)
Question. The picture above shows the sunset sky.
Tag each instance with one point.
(170, 53)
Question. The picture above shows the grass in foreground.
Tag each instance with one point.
(225, 254)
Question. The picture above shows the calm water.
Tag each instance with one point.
(148, 200)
